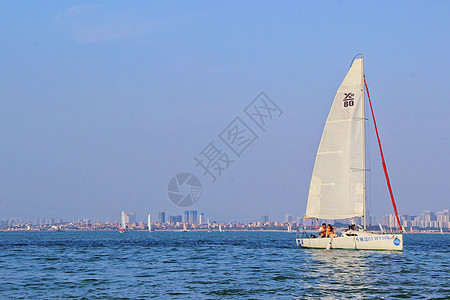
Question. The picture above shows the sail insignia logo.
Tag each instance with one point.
(349, 99)
(396, 241)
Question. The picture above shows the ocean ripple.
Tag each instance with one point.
(213, 265)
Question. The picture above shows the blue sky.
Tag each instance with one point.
(102, 102)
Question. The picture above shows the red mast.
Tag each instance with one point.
(382, 158)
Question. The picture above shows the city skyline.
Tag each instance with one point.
(197, 217)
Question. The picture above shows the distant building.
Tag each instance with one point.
(288, 218)
(427, 219)
(162, 217)
(175, 219)
(186, 217)
(201, 218)
(192, 217)
(428, 216)
(264, 219)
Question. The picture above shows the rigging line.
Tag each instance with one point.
(382, 158)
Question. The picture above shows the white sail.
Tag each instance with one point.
(149, 223)
(337, 184)
(124, 225)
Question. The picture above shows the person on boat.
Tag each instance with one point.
(351, 227)
(323, 230)
(330, 231)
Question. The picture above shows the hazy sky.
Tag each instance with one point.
(103, 102)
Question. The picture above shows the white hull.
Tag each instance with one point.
(356, 240)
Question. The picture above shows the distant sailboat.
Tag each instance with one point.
(149, 222)
(185, 228)
(123, 228)
(209, 226)
(338, 183)
(442, 231)
(410, 229)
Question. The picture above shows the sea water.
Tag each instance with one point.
(215, 265)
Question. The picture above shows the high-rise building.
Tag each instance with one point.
(201, 218)
(190, 216)
(162, 217)
(288, 218)
(264, 219)
(429, 216)
(193, 217)
(186, 217)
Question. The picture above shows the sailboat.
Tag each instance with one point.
(209, 226)
(337, 189)
(149, 222)
(123, 228)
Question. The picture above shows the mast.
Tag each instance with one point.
(364, 143)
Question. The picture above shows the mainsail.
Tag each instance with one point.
(338, 180)
(124, 224)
